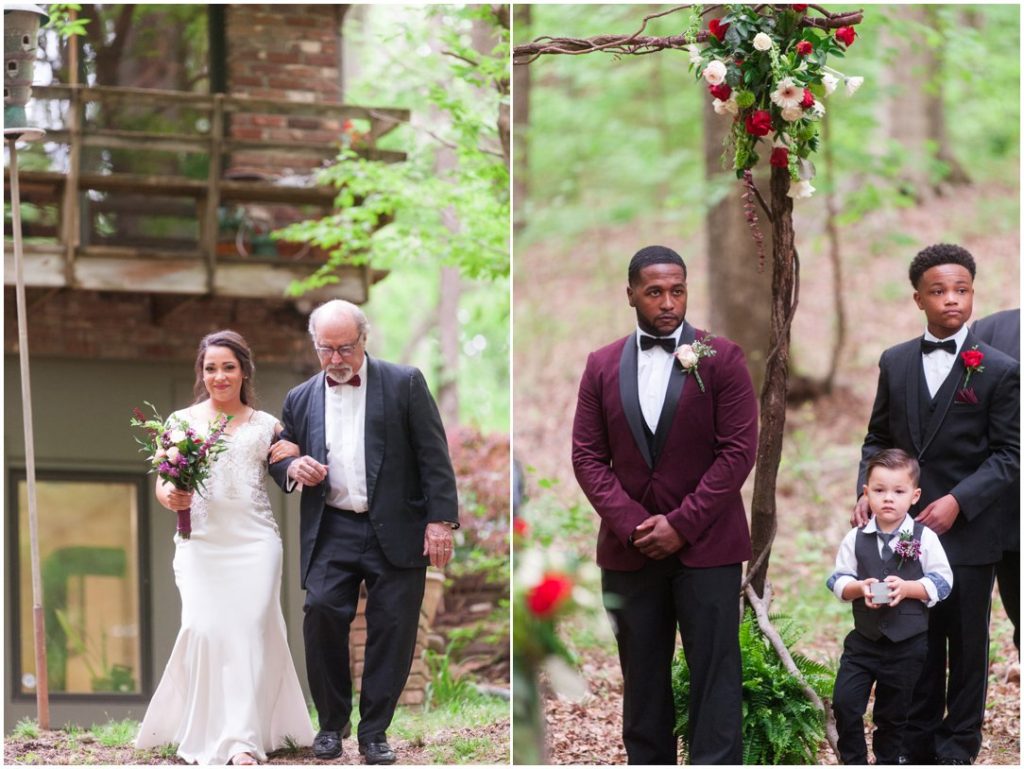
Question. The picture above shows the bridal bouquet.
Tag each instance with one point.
(179, 454)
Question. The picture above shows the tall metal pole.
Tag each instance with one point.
(38, 624)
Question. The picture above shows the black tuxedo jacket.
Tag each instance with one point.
(969, 450)
(409, 476)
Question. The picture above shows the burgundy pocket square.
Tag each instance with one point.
(966, 395)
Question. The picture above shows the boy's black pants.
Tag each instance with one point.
(893, 668)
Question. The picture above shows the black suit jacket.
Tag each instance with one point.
(1002, 331)
(969, 450)
(409, 477)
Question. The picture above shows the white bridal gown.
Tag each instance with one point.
(230, 685)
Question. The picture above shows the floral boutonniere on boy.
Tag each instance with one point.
(690, 355)
(907, 548)
(972, 362)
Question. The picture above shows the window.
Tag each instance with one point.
(90, 531)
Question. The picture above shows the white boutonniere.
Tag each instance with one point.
(690, 355)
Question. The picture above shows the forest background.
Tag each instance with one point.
(612, 154)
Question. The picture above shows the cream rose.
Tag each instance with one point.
(177, 436)
(762, 42)
(800, 190)
(173, 454)
(686, 356)
(792, 114)
(728, 107)
(714, 72)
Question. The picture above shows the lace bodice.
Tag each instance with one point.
(237, 479)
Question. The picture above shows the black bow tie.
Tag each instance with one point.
(666, 343)
(928, 347)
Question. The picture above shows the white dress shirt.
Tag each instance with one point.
(938, 576)
(344, 429)
(939, 363)
(653, 368)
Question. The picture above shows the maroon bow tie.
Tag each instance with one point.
(353, 380)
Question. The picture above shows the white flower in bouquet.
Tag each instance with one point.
(852, 84)
(714, 72)
(788, 93)
(830, 82)
(695, 57)
(176, 436)
(728, 107)
(173, 454)
(801, 189)
(762, 42)
(818, 109)
(792, 114)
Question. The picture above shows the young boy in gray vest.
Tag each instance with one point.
(892, 570)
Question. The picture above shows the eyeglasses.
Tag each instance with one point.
(345, 350)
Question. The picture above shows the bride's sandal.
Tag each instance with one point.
(243, 759)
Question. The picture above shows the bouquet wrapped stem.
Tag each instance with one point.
(179, 454)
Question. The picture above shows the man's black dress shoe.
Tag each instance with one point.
(327, 745)
(377, 752)
(947, 761)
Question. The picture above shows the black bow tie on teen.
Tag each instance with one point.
(929, 347)
(354, 381)
(666, 343)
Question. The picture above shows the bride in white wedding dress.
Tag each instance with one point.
(229, 693)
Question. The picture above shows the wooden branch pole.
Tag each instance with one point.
(38, 623)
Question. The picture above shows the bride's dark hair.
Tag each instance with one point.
(237, 344)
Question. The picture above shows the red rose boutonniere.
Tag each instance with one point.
(972, 362)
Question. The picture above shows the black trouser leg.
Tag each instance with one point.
(899, 667)
(850, 696)
(1008, 576)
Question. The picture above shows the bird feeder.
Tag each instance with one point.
(21, 40)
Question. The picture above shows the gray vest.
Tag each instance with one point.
(899, 623)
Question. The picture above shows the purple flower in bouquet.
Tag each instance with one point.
(179, 454)
(907, 548)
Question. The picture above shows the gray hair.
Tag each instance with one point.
(336, 306)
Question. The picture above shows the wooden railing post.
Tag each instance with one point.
(70, 211)
(208, 237)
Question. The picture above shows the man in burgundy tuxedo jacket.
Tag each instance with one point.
(661, 451)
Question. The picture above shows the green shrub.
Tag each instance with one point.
(26, 728)
(780, 725)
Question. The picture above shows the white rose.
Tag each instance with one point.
(830, 83)
(728, 107)
(852, 84)
(160, 454)
(173, 454)
(177, 436)
(792, 114)
(695, 57)
(818, 109)
(686, 356)
(714, 72)
(762, 42)
(800, 190)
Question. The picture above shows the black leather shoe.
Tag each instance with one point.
(327, 745)
(377, 753)
(947, 761)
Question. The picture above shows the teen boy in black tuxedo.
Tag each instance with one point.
(953, 403)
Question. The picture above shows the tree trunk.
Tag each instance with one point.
(740, 293)
(521, 122)
(834, 256)
(448, 331)
(763, 514)
(935, 107)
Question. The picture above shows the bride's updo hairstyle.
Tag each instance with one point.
(237, 344)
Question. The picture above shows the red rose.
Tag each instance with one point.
(972, 358)
(759, 123)
(804, 48)
(546, 596)
(780, 157)
(720, 91)
(808, 100)
(799, 7)
(520, 527)
(718, 29)
(739, 62)
(846, 35)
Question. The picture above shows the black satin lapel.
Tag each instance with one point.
(915, 378)
(676, 380)
(374, 430)
(945, 397)
(630, 396)
(317, 436)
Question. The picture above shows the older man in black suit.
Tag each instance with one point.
(952, 402)
(378, 503)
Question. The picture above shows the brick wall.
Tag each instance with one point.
(125, 326)
(289, 52)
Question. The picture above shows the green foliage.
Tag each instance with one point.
(26, 729)
(170, 750)
(115, 734)
(780, 725)
(60, 19)
(445, 689)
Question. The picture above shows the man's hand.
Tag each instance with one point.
(656, 538)
(307, 471)
(940, 514)
(437, 543)
(861, 512)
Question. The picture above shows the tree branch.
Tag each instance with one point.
(636, 45)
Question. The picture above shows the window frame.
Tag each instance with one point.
(17, 475)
